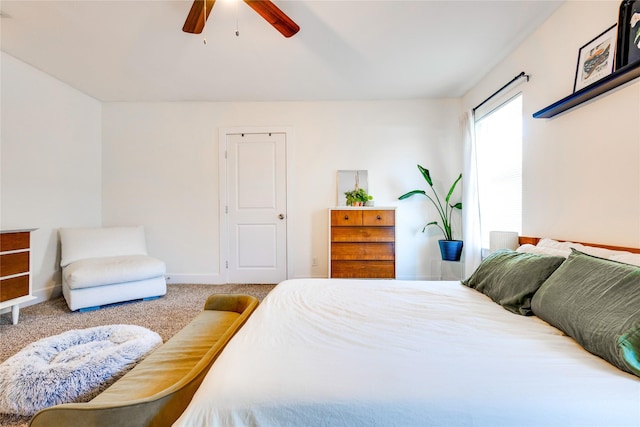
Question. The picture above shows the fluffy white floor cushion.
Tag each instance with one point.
(71, 367)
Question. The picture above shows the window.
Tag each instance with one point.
(499, 162)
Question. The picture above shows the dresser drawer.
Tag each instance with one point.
(342, 218)
(362, 234)
(15, 277)
(14, 287)
(14, 263)
(357, 251)
(363, 269)
(14, 241)
(379, 218)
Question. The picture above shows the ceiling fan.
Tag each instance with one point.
(201, 8)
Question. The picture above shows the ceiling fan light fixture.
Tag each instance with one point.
(200, 10)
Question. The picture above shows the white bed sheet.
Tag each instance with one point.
(327, 352)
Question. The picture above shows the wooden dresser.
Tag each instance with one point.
(15, 270)
(362, 242)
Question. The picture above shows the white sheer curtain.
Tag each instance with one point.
(470, 207)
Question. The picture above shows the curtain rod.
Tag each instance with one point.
(518, 77)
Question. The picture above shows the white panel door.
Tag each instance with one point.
(256, 205)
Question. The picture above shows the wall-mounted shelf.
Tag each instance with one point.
(613, 80)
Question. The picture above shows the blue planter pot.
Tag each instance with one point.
(450, 249)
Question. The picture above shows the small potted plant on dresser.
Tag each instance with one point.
(450, 248)
(357, 197)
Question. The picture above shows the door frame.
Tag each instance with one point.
(223, 188)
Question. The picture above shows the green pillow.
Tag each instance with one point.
(511, 278)
(597, 302)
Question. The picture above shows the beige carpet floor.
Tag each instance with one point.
(166, 316)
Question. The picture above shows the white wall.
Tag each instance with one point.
(160, 169)
(50, 174)
(67, 160)
(581, 170)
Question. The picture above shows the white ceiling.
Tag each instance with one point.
(121, 50)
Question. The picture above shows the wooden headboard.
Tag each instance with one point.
(523, 240)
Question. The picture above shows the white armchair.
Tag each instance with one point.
(107, 265)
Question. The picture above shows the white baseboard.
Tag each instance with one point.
(421, 278)
(313, 276)
(211, 279)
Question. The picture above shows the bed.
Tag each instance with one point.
(333, 352)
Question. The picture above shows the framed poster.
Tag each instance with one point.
(349, 180)
(628, 33)
(596, 59)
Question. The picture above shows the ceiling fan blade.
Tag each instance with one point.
(274, 16)
(196, 19)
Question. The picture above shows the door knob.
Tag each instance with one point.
(281, 216)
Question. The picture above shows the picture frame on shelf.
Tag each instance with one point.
(628, 42)
(596, 59)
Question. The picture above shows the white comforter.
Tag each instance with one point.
(326, 352)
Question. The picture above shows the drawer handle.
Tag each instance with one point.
(378, 217)
(346, 217)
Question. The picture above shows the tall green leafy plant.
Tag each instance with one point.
(444, 210)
